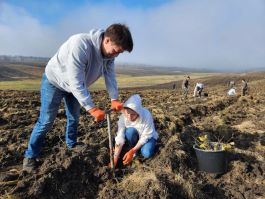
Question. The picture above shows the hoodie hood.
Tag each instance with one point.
(96, 38)
(134, 103)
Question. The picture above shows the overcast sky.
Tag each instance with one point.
(212, 34)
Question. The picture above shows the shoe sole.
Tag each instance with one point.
(28, 168)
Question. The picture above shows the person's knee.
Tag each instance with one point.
(131, 132)
(73, 116)
(147, 153)
(73, 119)
(44, 124)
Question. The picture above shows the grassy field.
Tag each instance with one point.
(123, 81)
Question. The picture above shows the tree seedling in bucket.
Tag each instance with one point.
(212, 156)
(203, 143)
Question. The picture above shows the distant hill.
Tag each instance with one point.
(32, 69)
(146, 70)
(255, 70)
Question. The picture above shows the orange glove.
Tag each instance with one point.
(117, 105)
(115, 162)
(97, 113)
(128, 157)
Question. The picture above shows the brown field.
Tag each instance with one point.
(171, 173)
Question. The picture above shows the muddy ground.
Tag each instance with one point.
(171, 173)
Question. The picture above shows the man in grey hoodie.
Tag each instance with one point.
(245, 87)
(185, 85)
(79, 62)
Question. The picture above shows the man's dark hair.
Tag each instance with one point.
(198, 88)
(120, 35)
(243, 80)
(188, 77)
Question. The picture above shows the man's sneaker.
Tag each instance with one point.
(78, 147)
(29, 163)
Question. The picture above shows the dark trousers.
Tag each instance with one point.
(243, 92)
(200, 93)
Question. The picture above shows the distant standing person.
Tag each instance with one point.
(228, 83)
(185, 85)
(173, 86)
(231, 83)
(245, 87)
(198, 88)
(79, 62)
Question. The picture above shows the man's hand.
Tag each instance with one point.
(115, 162)
(128, 157)
(117, 105)
(97, 113)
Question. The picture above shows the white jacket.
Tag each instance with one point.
(143, 124)
(200, 85)
(232, 91)
(78, 64)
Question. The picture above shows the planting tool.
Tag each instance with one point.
(110, 137)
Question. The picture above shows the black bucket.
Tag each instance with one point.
(212, 161)
(205, 94)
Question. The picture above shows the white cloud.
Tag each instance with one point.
(188, 33)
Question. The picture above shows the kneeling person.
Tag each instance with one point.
(232, 91)
(137, 127)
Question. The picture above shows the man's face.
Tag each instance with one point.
(188, 79)
(130, 114)
(110, 49)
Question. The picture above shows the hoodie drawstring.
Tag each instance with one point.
(104, 66)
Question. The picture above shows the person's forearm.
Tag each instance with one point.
(118, 149)
(137, 146)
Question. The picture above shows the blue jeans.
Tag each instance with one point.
(147, 150)
(51, 98)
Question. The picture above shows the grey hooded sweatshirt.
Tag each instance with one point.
(78, 64)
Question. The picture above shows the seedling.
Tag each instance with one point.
(203, 143)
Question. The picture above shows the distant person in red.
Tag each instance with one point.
(245, 87)
(79, 62)
(173, 86)
(185, 85)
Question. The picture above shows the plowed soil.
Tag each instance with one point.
(172, 172)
